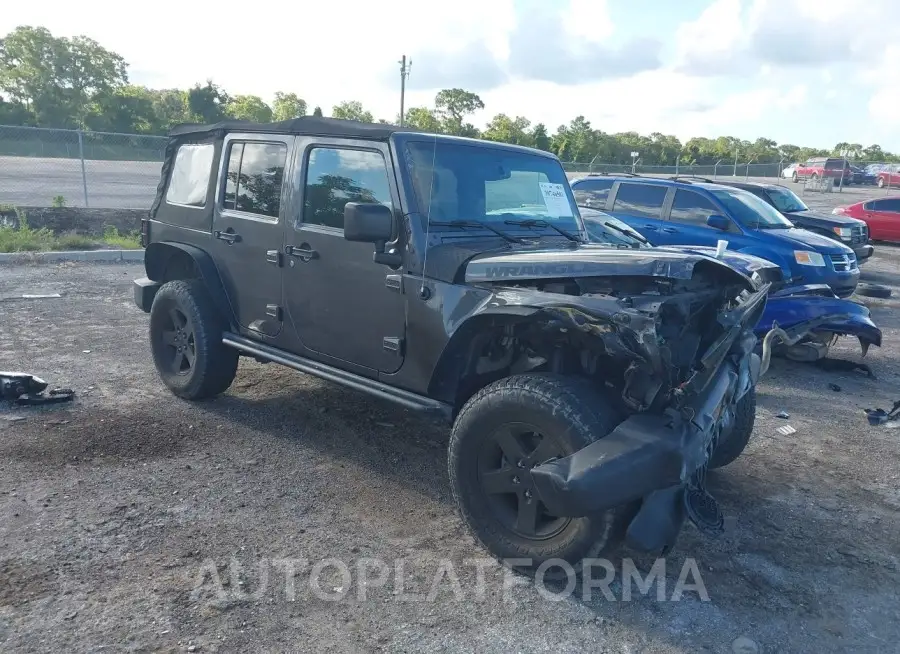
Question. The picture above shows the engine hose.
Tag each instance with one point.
(767, 344)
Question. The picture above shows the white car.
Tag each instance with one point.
(788, 173)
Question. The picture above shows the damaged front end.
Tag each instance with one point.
(679, 354)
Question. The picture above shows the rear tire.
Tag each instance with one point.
(504, 430)
(734, 444)
(186, 341)
(794, 178)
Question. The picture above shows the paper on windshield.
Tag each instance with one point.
(556, 200)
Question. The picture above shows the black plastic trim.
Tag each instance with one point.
(323, 371)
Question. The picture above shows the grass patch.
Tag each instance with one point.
(27, 239)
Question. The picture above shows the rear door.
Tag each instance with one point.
(883, 218)
(688, 215)
(247, 224)
(641, 207)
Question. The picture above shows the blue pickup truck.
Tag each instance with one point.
(683, 211)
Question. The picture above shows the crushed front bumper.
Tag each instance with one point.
(655, 457)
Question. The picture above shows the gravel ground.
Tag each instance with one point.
(118, 511)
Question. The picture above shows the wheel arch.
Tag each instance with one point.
(165, 261)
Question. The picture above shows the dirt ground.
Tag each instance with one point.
(119, 511)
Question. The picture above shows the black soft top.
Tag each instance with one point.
(312, 125)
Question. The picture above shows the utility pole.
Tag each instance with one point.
(404, 73)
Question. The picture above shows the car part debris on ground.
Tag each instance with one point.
(24, 388)
(881, 417)
(783, 415)
(786, 430)
(836, 388)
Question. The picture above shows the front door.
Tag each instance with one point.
(248, 229)
(346, 309)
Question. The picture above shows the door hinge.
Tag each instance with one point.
(273, 311)
(273, 256)
(393, 344)
(394, 282)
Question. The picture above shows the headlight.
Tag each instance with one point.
(843, 232)
(805, 258)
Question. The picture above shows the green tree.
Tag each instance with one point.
(453, 106)
(170, 107)
(540, 138)
(57, 78)
(508, 130)
(422, 118)
(207, 103)
(128, 109)
(249, 107)
(352, 110)
(287, 106)
(317, 111)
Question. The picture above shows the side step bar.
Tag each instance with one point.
(329, 373)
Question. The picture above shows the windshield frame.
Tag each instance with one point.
(775, 191)
(750, 210)
(405, 146)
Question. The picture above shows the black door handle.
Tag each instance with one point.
(670, 230)
(304, 252)
(228, 236)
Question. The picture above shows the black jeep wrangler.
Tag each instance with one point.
(589, 386)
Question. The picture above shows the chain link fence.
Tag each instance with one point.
(46, 167)
(57, 167)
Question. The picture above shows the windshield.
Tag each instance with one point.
(751, 211)
(785, 200)
(471, 182)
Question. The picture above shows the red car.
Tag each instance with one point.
(889, 177)
(882, 215)
(824, 167)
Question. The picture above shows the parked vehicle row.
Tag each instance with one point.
(592, 364)
(881, 175)
(697, 211)
(881, 216)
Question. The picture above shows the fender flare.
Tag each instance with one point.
(157, 256)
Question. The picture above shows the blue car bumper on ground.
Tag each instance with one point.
(797, 305)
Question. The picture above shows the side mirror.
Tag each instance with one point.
(371, 222)
(718, 222)
(368, 222)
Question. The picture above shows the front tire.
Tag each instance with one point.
(794, 178)
(186, 341)
(734, 444)
(504, 430)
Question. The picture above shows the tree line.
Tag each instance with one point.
(76, 83)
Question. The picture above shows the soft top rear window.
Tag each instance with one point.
(189, 180)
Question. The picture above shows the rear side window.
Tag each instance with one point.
(692, 208)
(592, 193)
(189, 181)
(254, 176)
(335, 177)
(892, 205)
(644, 200)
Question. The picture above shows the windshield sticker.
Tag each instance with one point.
(556, 200)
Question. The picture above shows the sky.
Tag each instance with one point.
(805, 72)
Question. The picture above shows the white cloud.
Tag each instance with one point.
(743, 67)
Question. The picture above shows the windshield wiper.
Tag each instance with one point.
(537, 222)
(628, 232)
(477, 223)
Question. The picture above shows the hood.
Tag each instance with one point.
(829, 218)
(589, 261)
(801, 239)
(745, 263)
